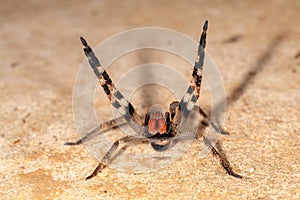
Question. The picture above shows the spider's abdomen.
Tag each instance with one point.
(157, 124)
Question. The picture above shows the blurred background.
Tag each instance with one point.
(255, 45)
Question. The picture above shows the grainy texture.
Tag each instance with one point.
(256, 46)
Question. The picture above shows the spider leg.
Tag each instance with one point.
(206, 122)
(105, 126)
(124, 107)
(222, 159)
(176, 113)
(107, 157)
(189, 100)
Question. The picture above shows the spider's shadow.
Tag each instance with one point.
(146, 56)
(253, 72)
(249, 77)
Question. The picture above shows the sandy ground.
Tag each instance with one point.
(255, 46)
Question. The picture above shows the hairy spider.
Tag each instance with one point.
(158, 128)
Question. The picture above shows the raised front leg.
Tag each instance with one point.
(116, 98)
(189, 100)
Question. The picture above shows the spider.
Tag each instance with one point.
(158, 128)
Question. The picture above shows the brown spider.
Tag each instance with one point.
(158, 128)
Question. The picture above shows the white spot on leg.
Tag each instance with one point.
(186, 97)
(199, 72)
(124, 102)
(121, 111)
(190, 106)
(100, 69)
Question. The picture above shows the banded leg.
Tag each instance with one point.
(105, 126)
(107, 157)
(189, 100)
(222, 159)
(124, 107)
(176, 114)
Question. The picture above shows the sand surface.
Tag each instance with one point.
(256, 46)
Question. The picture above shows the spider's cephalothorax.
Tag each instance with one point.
(158, 128)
